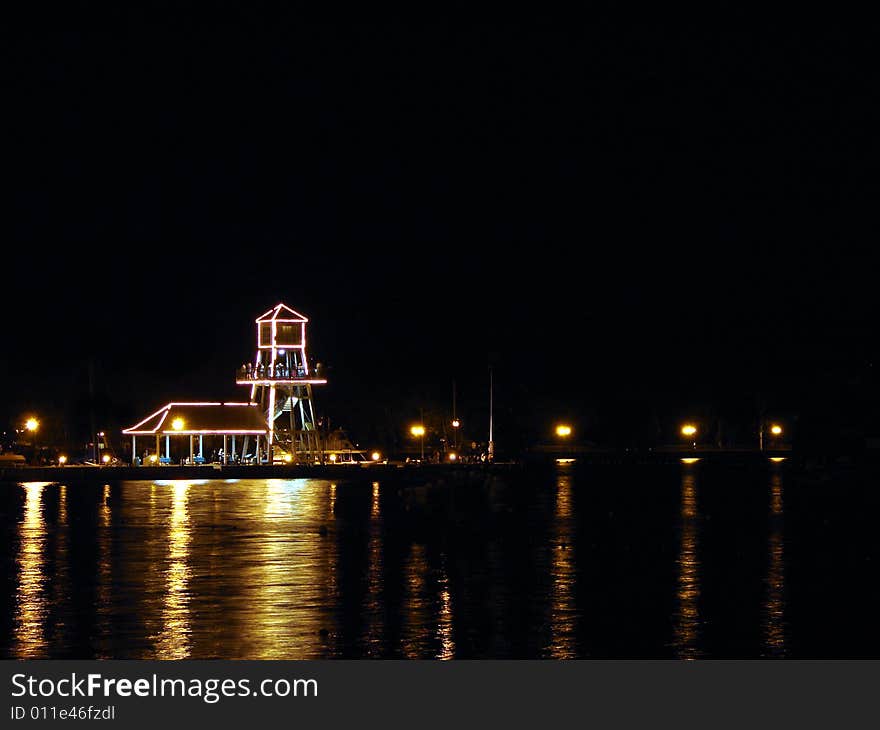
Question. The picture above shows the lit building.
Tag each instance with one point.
(277, 423)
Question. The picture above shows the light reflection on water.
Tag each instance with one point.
(372, 603)
(300, 569)
(563, 568)
(774, 609)
(173, 641)
(687, 614)
(31, 605)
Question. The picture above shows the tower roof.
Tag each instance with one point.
(282, 313)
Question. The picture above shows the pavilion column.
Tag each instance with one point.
(225, 455)
(258, 449)
(201, 453)
(168, 447)
(233, 448)
(190, 448)
(134, 450)
(157, 448)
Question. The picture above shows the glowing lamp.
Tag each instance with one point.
(688, 430)
(287, 458)
(690, 460)
(106, 458)
(62, 459)
(456, 423)
(452, 456)
(32, 424)
(775, 429)
(563, 430)
(177, 424)
(153, 458)
(333, 457)
(375, 456)
(777, 459)
(417, 430)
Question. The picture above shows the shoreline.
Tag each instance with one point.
(395, 471)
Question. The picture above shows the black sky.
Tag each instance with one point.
(627, 217)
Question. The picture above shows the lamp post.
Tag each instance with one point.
(419, 431)
(776, 432)
(689, 431)
(33, 425)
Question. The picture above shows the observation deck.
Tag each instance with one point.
(281, 376)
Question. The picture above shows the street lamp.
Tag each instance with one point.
(776, 429)
(456, 425)
(690, 431)
(32, 425)
(419, 430)
(563, 430)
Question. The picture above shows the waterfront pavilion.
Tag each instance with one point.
(211, 420)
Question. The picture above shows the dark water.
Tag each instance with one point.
(571, 561)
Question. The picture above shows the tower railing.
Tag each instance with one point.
(280, 372)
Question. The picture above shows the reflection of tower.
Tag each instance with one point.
(281, 382)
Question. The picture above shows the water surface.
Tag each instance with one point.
(566, 562)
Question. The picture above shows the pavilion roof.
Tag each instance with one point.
(204, 418)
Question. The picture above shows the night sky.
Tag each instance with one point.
(629, 223)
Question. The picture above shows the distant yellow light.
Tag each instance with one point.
(332, 457)
(106, 458)
(690, 460)
(452, 456)
(688, 429)
(563, 430)
(456, 423)
(62, 459)
(777, 459)
(776, 430)
(177, 424)
(32, 424)
(288, 458)
(417, 430)
(565, 461)
(375, 456)
(154, 458)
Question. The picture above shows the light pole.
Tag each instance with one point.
(776, 432)
(419, 431)
(690, 432)
(33, 425)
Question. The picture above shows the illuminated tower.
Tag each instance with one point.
(281, 382)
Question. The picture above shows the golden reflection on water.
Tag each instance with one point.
(774, 613)
(61, 578)
(563, 610)
(373, 607)
(292, 580)
(415, 604)
(29, 640)
(173, 641)
(687, 616)
(444, 621)
(105, 573)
